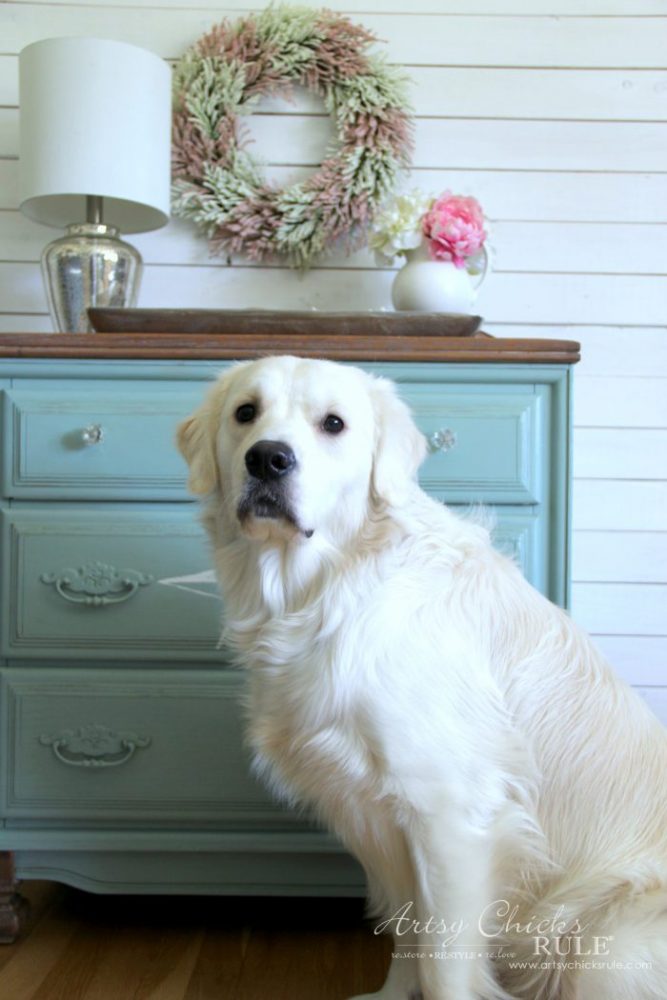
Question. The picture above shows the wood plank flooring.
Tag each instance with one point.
(80, 946)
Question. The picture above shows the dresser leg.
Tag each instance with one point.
(13, 907)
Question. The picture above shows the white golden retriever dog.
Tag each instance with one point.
(504, 791)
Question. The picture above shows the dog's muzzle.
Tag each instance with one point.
(265, 494)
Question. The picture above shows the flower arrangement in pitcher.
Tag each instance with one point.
(443, 239)
(451, 227)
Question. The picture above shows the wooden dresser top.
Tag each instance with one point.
(479, 348)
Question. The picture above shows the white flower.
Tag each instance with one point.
(398, 226)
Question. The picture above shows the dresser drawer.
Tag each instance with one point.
(89, 441)
(168, 745)
(105, 580)
(485, 445)
(96, 440)
(132, 582)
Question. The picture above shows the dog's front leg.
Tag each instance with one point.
(452, 865)
(391, 887)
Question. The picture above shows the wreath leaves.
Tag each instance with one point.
(219, 186)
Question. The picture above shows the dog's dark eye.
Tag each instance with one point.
(332, 424)
(245, 413)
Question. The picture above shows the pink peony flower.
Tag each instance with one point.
(454, 228)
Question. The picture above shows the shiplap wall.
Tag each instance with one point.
(554, 114)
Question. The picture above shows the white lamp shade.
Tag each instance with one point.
(95, 120)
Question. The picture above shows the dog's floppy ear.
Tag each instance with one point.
(400, 447)
(195, 438)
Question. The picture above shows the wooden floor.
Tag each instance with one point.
(79, 946)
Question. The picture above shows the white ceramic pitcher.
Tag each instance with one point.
(426, 285)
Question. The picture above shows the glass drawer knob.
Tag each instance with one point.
(442, 440)
(92, 434)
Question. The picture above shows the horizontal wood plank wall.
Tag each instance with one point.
(554, 114)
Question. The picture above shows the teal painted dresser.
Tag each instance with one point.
(122, 767)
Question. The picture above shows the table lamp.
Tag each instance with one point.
(95, 130)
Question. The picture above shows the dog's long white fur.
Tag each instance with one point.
(458, 732)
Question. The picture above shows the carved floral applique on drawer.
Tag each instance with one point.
(97, 584)
(94, 745)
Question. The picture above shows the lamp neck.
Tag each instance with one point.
(94, 209)
(92, 230)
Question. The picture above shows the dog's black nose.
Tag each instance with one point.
(269, 459)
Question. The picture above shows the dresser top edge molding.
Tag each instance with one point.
(479, 348)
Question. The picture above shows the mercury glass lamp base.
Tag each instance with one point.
(89, 266)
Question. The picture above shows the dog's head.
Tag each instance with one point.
(294, 446)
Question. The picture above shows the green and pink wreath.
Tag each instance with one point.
(217, 183)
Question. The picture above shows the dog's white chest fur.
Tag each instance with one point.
(307, 708)
(305, 746)
(341, 713)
